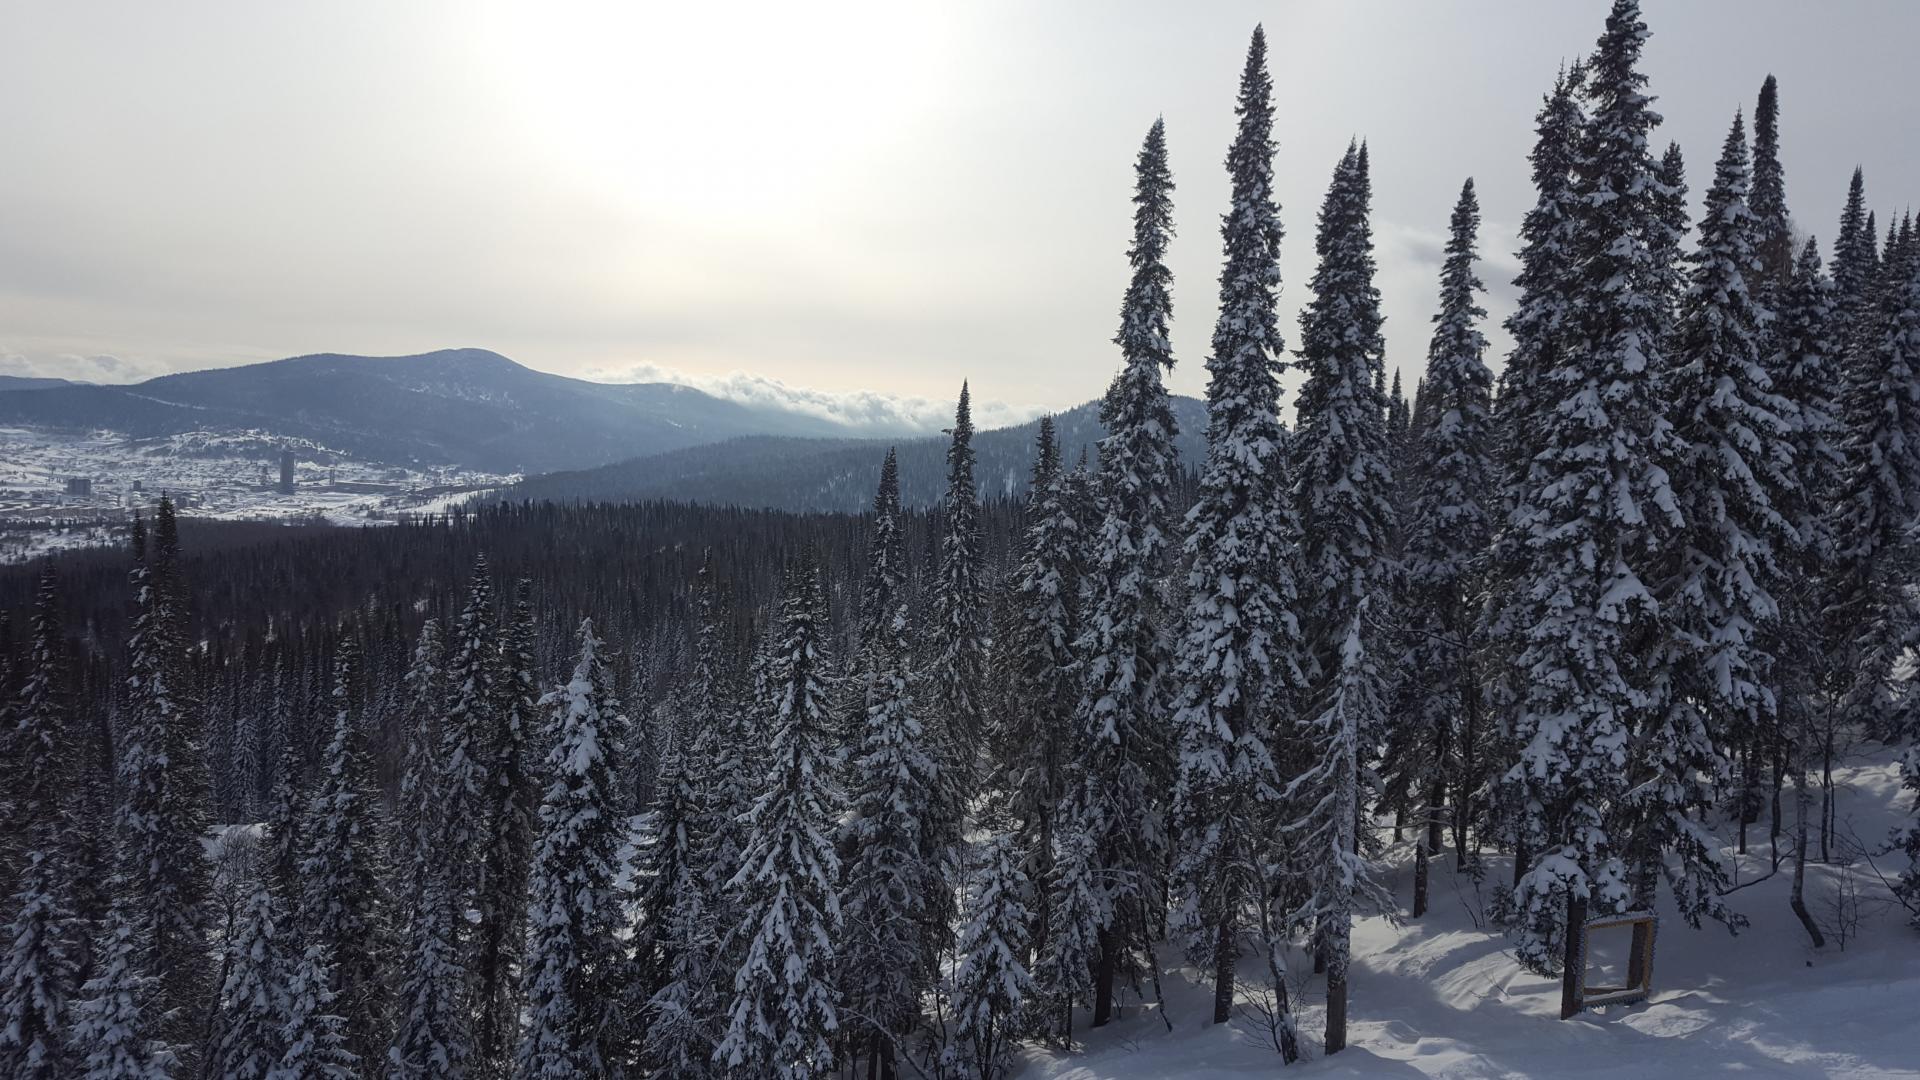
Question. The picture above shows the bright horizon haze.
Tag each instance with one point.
(844, 197)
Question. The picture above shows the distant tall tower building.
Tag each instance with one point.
(286, 472)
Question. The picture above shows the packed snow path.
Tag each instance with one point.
(1443, 997)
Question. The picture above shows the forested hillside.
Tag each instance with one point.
(839, 474)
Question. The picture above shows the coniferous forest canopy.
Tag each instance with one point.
(550, 789)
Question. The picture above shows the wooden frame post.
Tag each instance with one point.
(1575, 994)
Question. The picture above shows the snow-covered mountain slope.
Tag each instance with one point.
(1443, 998)
(466, 407)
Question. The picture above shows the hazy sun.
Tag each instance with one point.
(693, 107)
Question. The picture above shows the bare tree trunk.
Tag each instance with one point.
(1469, 758)
(1429, 846)
(1803, 805)
(1774, 814)
(1826, 795)
(1573, 960)
(1224, 955)
(1745, 796)
(1103, 974)
(1336, 1013)
(1419, 880)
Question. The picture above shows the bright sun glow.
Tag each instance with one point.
(711, 108)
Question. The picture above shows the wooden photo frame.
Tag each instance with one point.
(1577, 993)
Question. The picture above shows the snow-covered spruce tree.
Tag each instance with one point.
(509, 808)
(1079, 906)
(1880, 407)
(1772, 225)
(246, 1038)
(1036, 719)
(247, 748)
(991, 986)
(113, 1023)
(1236, 669)
(1341, 880)
(785, 1010)
(675, 940)
(1737, 463)
(1803, 366)
(695, 833)
(951, 751)
(959, 608)
(1439, 753)
(956, 673)
(883, 589)
(345, 872)
(1883, 623)
(1545, 279)
(470, 758)
(1853, 272)
(430, 1036)
(1520, 419)
(1125, 747)
(573, 953)
(284, 846)
(39, 969)
(1343, 484)
(1667, 242)
(1595, 520)
(723, 741)
(9, 853)
(312, 1033)
(894, 884)
(163, 877)
(473, 680)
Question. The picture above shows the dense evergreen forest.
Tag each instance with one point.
(577, 789)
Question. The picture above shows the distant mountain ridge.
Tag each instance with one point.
(800, 474)
(468, 407)
(31, 382)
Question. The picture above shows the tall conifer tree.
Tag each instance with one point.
(39, 968)
(1126, 747)
(1441, 747)
(893, 884)
(1037, 726)
(431, 1036)
(164, 880)
(344, 870)
(785, 1012)
(1738, 463)
(1773, 226)
(1343, 481)
(1590, 622)
(1237, 666)
(573, 948)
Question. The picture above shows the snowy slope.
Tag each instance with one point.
(1442, 997)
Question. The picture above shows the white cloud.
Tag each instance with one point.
(860, 410)
(75, 367)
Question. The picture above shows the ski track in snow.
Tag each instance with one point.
(1443, 998)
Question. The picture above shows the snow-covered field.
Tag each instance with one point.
(225, 476)
(1442, 997)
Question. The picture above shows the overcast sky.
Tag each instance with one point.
(885, 196)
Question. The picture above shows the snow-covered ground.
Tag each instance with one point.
(1442, 997)
(221, 475)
